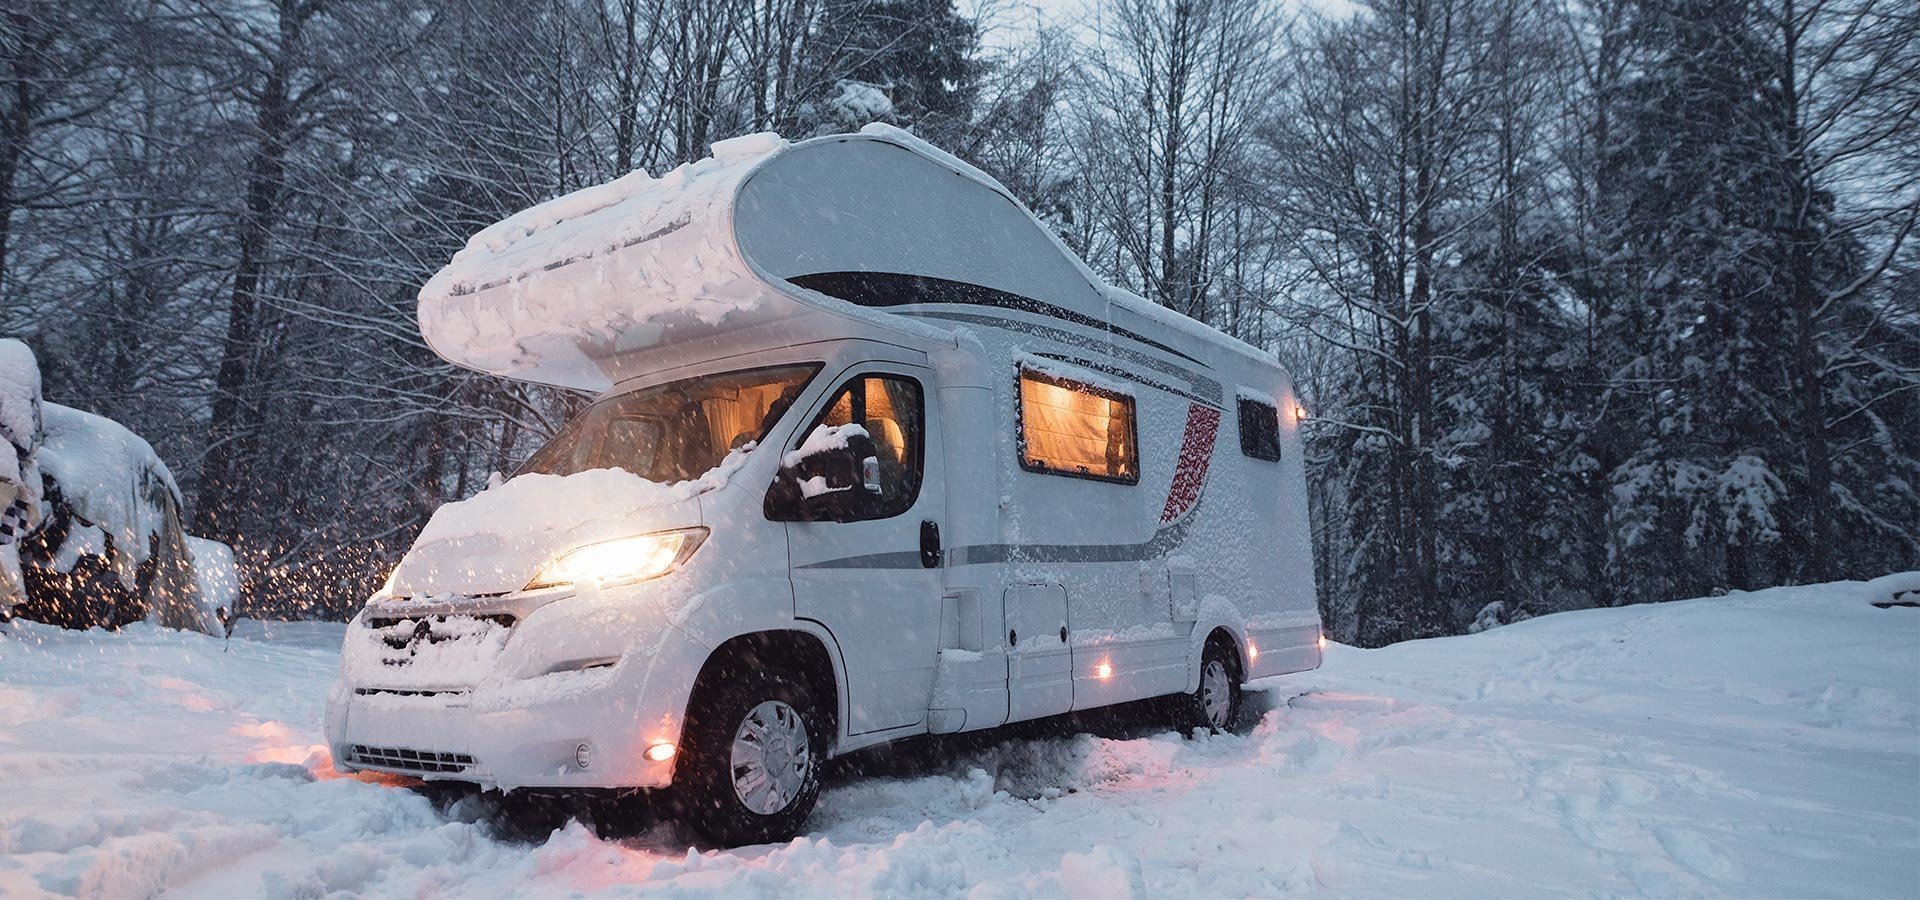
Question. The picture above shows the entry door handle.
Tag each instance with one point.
(929, 544)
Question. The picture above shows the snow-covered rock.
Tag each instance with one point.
(19, 467)
(118, 501)
(115, 486)
(19, 395)
(112, 478)
(1493, 615)
(216, 581)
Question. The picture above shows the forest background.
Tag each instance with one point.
(1591, 302)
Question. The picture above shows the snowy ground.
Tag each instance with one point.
(1758, 744)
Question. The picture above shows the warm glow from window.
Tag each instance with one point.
(1103, 671)
(1076, 429)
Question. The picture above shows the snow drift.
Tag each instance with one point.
(1756, 744)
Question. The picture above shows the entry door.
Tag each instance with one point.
(867, 580)
(1039, 663)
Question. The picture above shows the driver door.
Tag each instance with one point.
(865, 577)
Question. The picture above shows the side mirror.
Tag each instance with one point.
(833, 475)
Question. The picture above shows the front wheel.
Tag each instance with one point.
(753, 753)
(1215, 704)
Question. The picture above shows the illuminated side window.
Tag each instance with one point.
(1072, 428)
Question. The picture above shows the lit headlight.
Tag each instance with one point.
(634, 558)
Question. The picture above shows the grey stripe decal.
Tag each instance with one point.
(1161, 544)
(889, 289)
(902, 559)
(1206, 387)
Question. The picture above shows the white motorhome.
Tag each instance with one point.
(874, 456)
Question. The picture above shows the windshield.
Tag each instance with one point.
(676, 431)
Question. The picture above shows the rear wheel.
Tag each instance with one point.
(753, 753)
(1215, 704)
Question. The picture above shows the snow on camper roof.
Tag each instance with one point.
(547, 293)
(572, 291)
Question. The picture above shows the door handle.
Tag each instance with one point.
(1063, 634)
(929, 544)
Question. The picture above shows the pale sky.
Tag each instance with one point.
(1010, 21)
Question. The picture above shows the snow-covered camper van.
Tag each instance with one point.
(874, 456)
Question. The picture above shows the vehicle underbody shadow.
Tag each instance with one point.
(650, 820)
(951, 754)
(644, 820)
(1010, 749)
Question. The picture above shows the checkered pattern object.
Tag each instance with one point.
(13, 521)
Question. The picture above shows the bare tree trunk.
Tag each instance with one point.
(230, 430)
(13, 148)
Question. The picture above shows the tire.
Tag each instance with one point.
(753, 749)
(1215, 704)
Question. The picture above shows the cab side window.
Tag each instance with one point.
(889, 408)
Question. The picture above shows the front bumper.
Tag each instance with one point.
(489, 709)
(507, 742)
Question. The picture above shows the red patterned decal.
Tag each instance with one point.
(1196, 450)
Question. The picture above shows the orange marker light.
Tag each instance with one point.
(1103, 671)
(1299, 413)
(1323, 643)
(1253, 650)
(660, 752)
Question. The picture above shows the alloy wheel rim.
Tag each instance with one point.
(771, 757)
(1216, 693)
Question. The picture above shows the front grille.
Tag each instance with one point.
(504, 620)
(428, 629)
(404, 692)
(486, 596)
(409, 760)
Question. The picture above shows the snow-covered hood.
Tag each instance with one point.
(498, 540)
